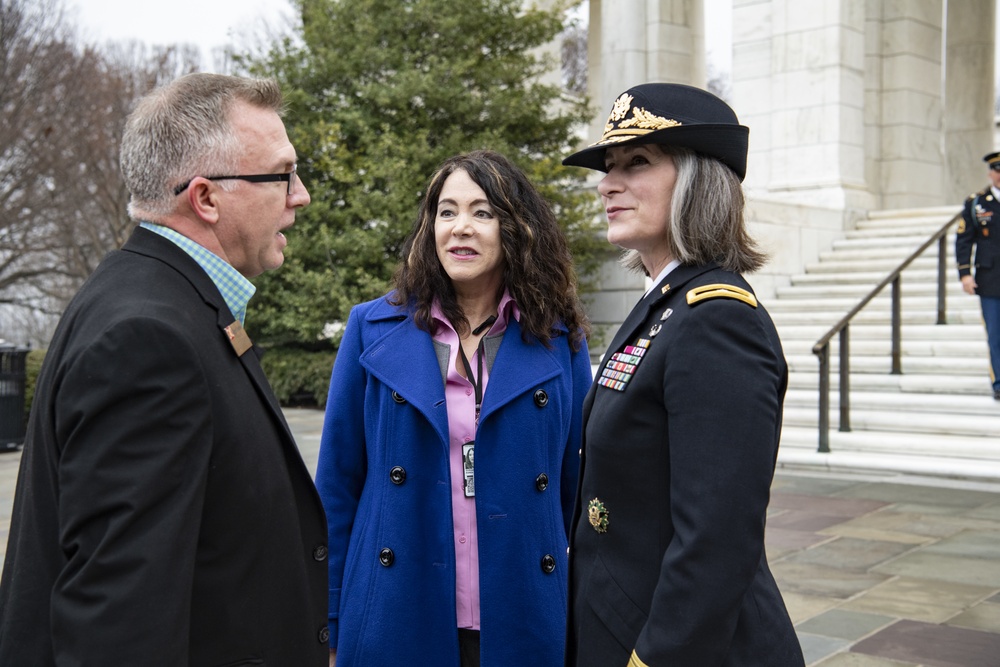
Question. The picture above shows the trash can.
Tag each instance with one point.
(12, 381)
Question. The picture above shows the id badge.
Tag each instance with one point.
(468, 468)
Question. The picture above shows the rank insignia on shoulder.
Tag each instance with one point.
(720, 290)
(597, 514)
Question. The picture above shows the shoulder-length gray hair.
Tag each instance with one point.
(706, 217)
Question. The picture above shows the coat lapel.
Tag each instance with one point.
(404, 360)
(518, 368)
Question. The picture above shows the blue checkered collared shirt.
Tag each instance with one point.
(236, 290)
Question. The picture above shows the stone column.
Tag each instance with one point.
(632, 42)
(905, 118)
(798, 82)
(636, 41)
(968, 96)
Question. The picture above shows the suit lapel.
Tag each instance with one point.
(150, 244)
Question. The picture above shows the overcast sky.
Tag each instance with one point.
(214, 23)
(205, 23)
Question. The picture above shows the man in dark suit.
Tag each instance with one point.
(974, 229)
(163, 514)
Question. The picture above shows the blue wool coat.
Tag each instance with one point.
(384, 478)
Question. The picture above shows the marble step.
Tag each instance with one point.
(904, 243)
(870, 278)
(935, 455)
(910, 332)
(907, 383)
(899, 404)
(906, 215)
(867, 316)
(857, 291)
(922, 229)
(883, 265)
(882, 348)
(837, 306)
(985, 427)
(969, 365)
(899, 444)
(883, 251)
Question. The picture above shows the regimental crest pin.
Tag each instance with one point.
(598, 515)
(238, 338)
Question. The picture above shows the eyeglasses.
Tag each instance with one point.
(288, 177)
(995, 166)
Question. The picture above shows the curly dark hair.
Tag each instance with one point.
(538, 267)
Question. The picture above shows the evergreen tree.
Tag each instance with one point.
(380, 92)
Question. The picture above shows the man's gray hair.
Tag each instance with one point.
(183, 130)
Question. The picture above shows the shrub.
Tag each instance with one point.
(299, 377)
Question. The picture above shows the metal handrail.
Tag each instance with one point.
(822, 347)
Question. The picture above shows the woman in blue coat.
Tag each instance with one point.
(450, 450)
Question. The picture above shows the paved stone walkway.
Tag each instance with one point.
(887, 571)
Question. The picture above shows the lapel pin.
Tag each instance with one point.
(238, 338)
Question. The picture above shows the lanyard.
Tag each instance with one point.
(476, 380)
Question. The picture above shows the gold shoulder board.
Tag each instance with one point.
(717, 290)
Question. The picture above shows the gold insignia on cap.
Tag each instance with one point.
(621, 128)
(598, 515)
(621, 108)
(717, 290)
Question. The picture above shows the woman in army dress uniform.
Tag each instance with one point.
(681, 427)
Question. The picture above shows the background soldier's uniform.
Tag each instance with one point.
(978, 227)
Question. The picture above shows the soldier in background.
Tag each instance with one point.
(975, 230)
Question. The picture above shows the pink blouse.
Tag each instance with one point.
(460, 400)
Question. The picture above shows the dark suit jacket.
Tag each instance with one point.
(980, 222)
(163, 514)
(676, 471)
